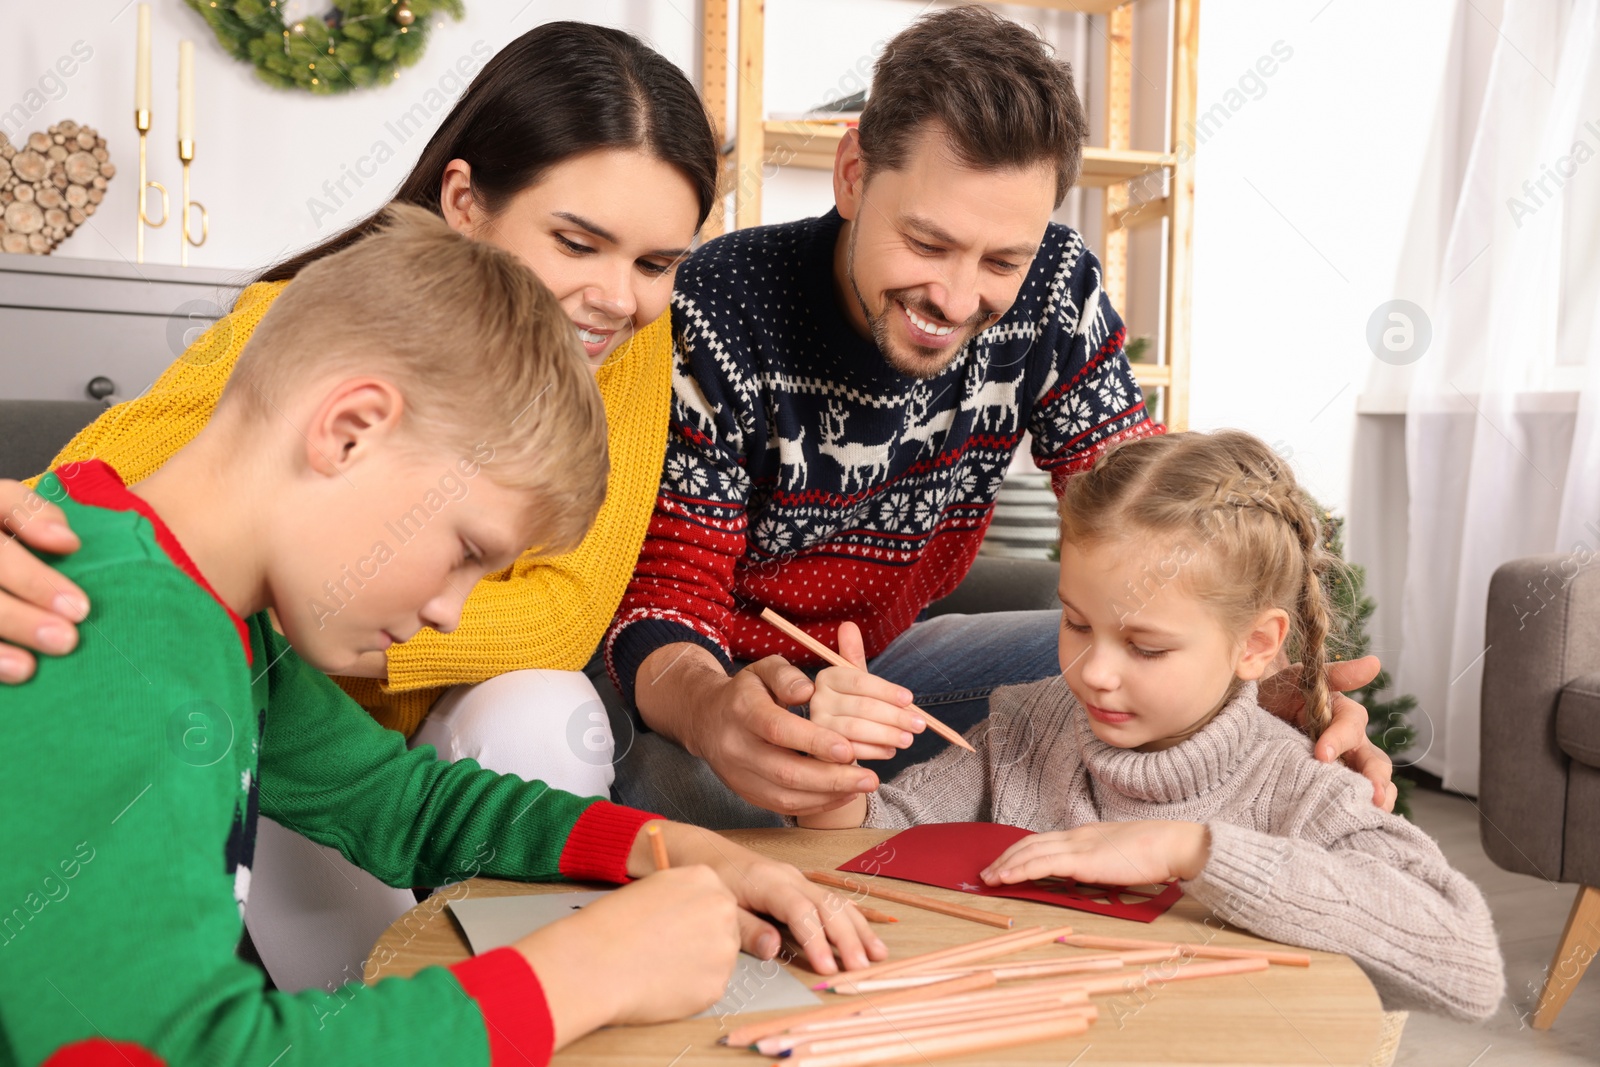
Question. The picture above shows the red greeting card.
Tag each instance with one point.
(950, 855)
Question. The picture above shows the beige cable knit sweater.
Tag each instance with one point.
(1299, 853)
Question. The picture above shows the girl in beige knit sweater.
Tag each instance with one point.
(1189, 562)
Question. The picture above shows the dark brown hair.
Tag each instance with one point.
(1239, 532)
(993, 84)
(558, 91)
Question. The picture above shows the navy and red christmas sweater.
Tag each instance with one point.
(803, 473)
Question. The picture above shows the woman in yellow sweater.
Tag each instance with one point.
(590, 156)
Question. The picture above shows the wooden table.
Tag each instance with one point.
(1327, 1014)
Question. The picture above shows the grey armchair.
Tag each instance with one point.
(1539, 781)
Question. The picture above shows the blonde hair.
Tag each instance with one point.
(482, 352)
(1256, 538)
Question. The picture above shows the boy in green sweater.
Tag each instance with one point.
(410, 414)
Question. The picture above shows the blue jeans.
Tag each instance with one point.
(950, 663)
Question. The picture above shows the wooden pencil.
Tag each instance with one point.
(755, 1031)
(847, 983)
(1127, 983)
(913, 900)
(923, 1032)
(874, 1022)
(873, 915)
(1015, 971)
(837, 660)
(1220, 952)
(950, 1045)
(658, 846)
(878, 970)
(1041, 969)
(1060, 991)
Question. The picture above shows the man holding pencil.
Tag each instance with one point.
(848, 394)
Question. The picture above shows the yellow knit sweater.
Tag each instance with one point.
(538, 613)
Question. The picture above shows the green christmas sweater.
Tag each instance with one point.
(135, 768)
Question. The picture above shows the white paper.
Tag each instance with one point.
(494, 922)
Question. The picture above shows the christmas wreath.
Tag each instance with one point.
(358, 43)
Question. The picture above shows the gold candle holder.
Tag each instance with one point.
(141, 120)
(186, 156)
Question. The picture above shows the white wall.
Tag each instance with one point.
(1303, 184)
(263, 155)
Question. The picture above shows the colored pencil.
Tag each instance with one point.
(755, 1031)
(1004, 974)
(837, 660)
(1220, 952)
(950, 1045)
(914, 900)
(879, 970)
(1060, 991)
(824, 1046)
(846, 983)
(871, 1023)
(873, 915)
(658, 846)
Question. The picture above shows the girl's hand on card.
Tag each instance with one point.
(822, 922)
(1108, 853)
(659, 949)
(870, 712)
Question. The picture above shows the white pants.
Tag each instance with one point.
(314, 916)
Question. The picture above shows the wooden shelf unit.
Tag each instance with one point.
(757, 143)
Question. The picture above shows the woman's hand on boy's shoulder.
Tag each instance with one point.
(1143, 852)
(822, 922)
(38, 607)
(1346, 736)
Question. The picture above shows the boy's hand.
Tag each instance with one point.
(1107, 853)
(38, 607)
(659, 949)
(821, 921)
(869, 711)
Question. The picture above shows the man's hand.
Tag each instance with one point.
(1142, 852)
(743, 728)
(1346, 735)
(38, 607)
(822, 922)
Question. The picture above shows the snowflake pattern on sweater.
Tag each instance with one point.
(805, 474)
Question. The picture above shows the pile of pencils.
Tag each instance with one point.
(952, 1002)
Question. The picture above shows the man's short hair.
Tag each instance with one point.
(487, 361)
(995, 87)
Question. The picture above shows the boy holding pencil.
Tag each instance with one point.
(370, 461)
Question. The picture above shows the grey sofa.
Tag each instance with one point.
(1539, 781)
(33, 431)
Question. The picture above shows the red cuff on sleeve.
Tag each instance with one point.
(598, 846)
(515, 1012)
(98, 1052)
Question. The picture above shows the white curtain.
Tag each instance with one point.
(1502, 437)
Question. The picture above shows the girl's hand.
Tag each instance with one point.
(821, 921)
(1107, 853)
(869, 711)
(657, 950)
(38, 607)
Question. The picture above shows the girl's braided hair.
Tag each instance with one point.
(1251, 538)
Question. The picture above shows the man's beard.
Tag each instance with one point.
(921, 363)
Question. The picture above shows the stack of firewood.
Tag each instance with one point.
(50, 185)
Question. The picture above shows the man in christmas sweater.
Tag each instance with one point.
(850, 391)
(343, 484)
